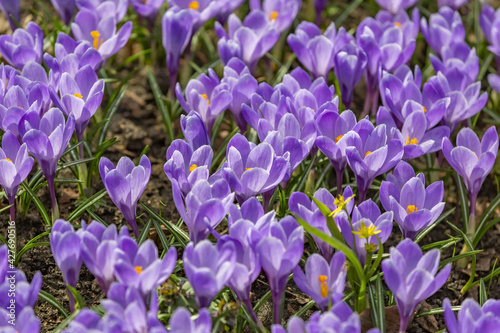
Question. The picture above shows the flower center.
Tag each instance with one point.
(425, 110)
(340, 203)
(368, 153)
(324, 285)
(78, 95)
(366, 232)
(413, 141)
(410, 209)
(273, 16)
(337, 139)
(246, 169)
(138, 269)
(194, 5)
(9, 160)
(97, 43)
(205, 97)
(397, 24)
(192, 167)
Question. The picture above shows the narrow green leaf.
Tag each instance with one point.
(177, 232)
(80, 302)
(96, 217)
(26, 248)
(483, 296)
(458, 257)
(436, 311)
(155, 88)
(161, 234)
(87, 204)
(38, 204)
(381, 303)
(464, 202)
(424, 232)
(484, 219)
(329, 219)
(143, 235)
(65, 322)
(53, 302)
(110, 113)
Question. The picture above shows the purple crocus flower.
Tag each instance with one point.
(118, 9)
(208, 269)
(488, 19)
(186, 166)
(472, 317)
(15, 165)
(148, 9)
(453, 4)
(23, 45)
(252, 169)
(396, 6)
(366, 223)
(26, 321)
(322, 281)
(472, 159)
(307, 210)
(81, 96)
(319, 7)
(371, 154)
(204, 206)
(409, 25)
(465, 100)
(11, 7)
(47, 138)
(177, 29)
(241, 85)
(71, 56)
(411, 276)
(202, 11)
(194, 130)
(458, 57)
(98, 27)
(248, 41)
(339, 319)
(335, 132)
(86, 321)
(125, 184)
(444, 28)
(206, 95)
(181, 321)
(418, 139)
(280, 13)
(414, 206)
(315, 50)
(350, 63)
(66, 249)
(279, 253)
(15, 105)
(98, 251)
(139, 266)
(36, 85)
(65, 8)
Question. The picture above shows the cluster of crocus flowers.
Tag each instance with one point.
(489, 20)
(472, 317)
(23, 46)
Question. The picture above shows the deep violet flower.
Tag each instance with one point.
(319, 7)
(23, 46)
(411, 276)
(206, 95)
(472, 159)
(47, 138)
(316, 50)
(372, 154)
(36, 85)
(458, 57)
(248, 41)
(443, 29)
(242, 85)
(366, 223)
(118, 9)
(125, 184)
(194, 130)
(181, 322)
(415, 207)
(280, 13)
(350, 63)
(279, 253)
(307, 210)
(11, 7)
(148, 9)
(66, 249)
(396, 6)
(139, 266)
(453, 4)
(324, 282)
(204, 206)
(208, 268)
(15, 165)
(98, 27)
(472, 317)
(252, 169)
(201, 11)
(65, 8)
(15, 105)
(340, 319)
(26, 322)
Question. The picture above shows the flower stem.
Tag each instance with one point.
(252, 313)
(12, 201)
(277, 307)
(340, 173)
(55, 206)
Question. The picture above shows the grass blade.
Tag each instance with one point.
(38, 204)
(87, 204)
(155, 88)
(53, 302)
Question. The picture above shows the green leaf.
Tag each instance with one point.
(38, 204)
(332, 226)
(458, 257)
(96, 217)
(113, 107)
(80, 302)
(436, 311)
(483, 296)
(87, 204)
(144, 232)
(424, 232)
(177, 232)
(26, 248)
(161, 234)
(53, 302)
(464, 202)
(482, 226)
(155, 88)
(66, 322)
(376, 298)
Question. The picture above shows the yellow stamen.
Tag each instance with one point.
(324, 285)
(337, 139)
(273, 16)
(410, 209)
(397, 24)
(370, 247)
(95, 34)
(246, 169)
(368, 153)
(9, 160)
(425, 110)
(192, 167)
(78, 95)
(366, 232)
(413, 141)
(194, 5)
(340, 203)
(138, 269)
(206, 98)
